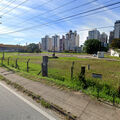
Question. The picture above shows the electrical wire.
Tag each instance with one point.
(14, 8)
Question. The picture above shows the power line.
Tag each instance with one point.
(72, 16)
(36, 7)
(14, 8)
(82, 30)
(67, 3)
(92, 13)
(82, 5)
(9, 4)
(85, 4)
(44, 3)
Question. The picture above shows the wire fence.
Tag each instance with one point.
(69, 73)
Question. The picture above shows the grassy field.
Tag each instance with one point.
(59, 72)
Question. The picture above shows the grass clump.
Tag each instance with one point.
(44, 103)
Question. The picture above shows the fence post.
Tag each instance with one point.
(88, 67)
(3, 55)
(98, 93)
(28, 65)
(83, 71)
(8, 60)
(119, 91)
(72, 68)
(16, 63)
(113, 99)
(82, 77)
(2, 61)
(45, 66)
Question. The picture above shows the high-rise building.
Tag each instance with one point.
(40, 46)
(47, 43)
(117, 29)
(56, 43)
(111, 37)
(72, 40)
(104, 38)
(94, 34)
(62, 43)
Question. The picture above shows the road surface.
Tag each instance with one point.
(15, 107)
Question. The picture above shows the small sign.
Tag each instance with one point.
(94, 75)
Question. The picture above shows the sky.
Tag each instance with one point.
(35, 14)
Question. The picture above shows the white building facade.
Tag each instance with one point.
(72, 41)
(56, 43)
(94, 34)
(104, 39)
(46, 43)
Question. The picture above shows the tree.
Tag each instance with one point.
(31, 48)
(92, 46)
(115, 43)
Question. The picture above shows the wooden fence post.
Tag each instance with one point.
(72, 68)
(3, 55)
(16, 63)
(98, 93)
(2, 61)
(83, 71)
(119, 91)
(28, 65)
(114, 99)
(88, 67)
(82, 77)
(8, 60)
(45, 66)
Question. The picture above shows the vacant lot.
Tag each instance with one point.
(59, 70)
(61, 67)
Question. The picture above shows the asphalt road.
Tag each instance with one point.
(15, 107)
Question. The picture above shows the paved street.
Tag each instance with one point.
(15, 107)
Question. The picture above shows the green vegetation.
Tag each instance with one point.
(115, 44)
(59, 73)
(45, 104)
(92, 46)
(31, 48)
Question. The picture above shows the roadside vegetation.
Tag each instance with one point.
(59, 73)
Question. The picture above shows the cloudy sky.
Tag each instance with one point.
(27, 21)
